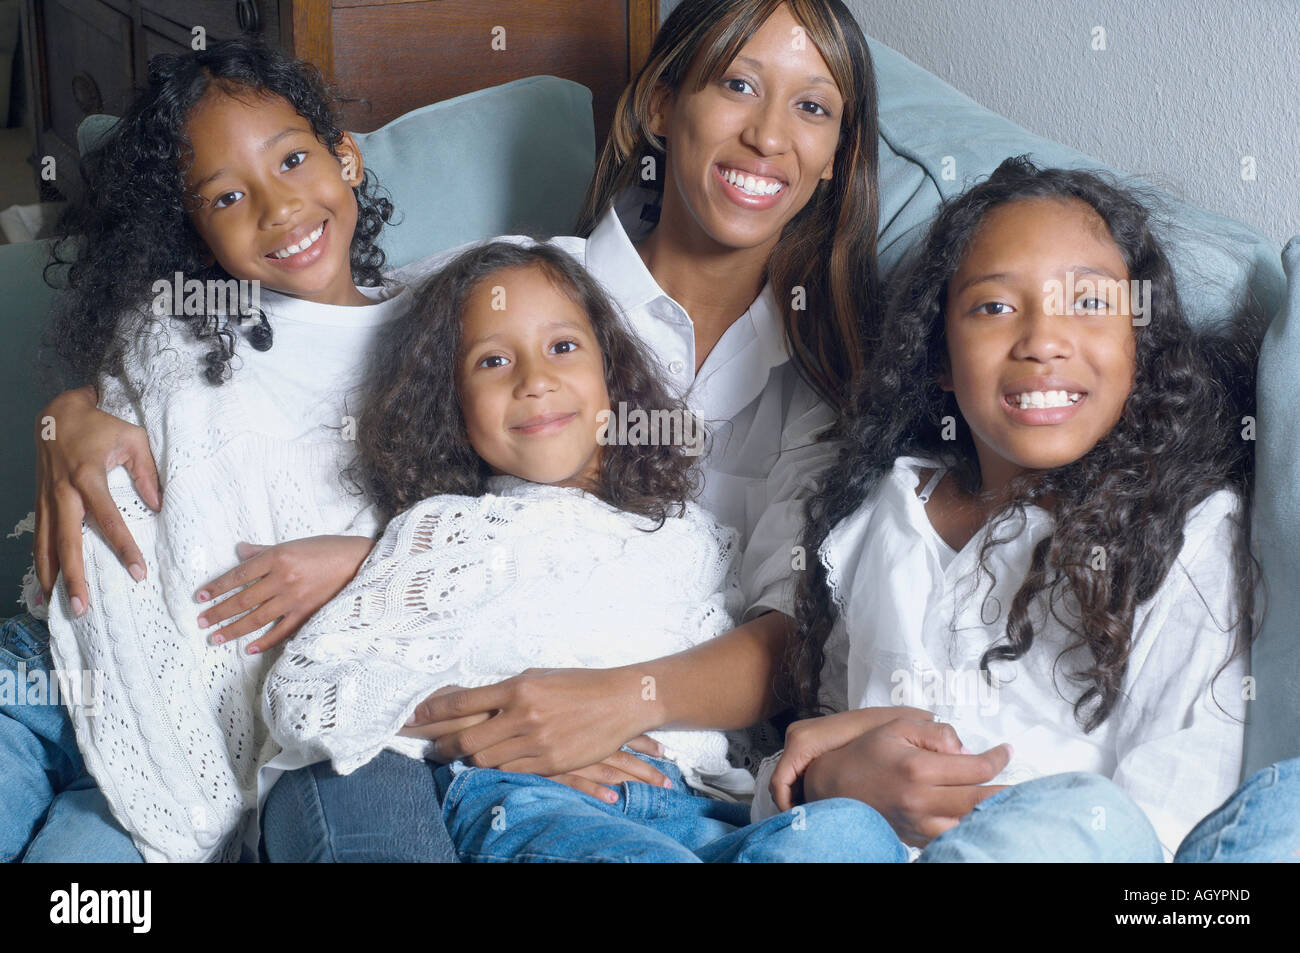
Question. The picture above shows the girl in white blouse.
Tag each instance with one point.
(538, 478)
(1038, 531)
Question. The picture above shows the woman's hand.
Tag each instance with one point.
(287, 582)
(913, 772)
(77, 445)
(599, 779)
(809, 739)
(549, 721)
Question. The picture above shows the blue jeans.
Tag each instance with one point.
(499, 816)
(50, 808)
(386, 810)
(1077, 817)
(1260, 822)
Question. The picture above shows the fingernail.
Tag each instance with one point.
(668, 782)
(136, 571)
(611, 797)
(203, 622)
(965, 750)
(217, 639)
(253, 650)
(410, 721)
(1011, 752)
(203, 595)
(77, 608)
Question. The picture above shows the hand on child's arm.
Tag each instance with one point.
(809, 739)
(287, 582)
(913, 772)
(77, 445)
(548, 722)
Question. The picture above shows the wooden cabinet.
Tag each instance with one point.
(384, 57)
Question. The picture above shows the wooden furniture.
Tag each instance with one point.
(384, 57)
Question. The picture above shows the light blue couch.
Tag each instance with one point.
(517, 158)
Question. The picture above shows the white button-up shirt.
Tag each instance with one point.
(764, 459)
(912, 632)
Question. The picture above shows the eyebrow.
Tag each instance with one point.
(263, 148)
(565, 325)
(1004, 275)
(812, 77)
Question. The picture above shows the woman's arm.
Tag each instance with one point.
(554, 721)
(77, 445)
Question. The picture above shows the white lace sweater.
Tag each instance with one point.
(176, 741)
(472, 590)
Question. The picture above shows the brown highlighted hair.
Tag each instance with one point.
(828, 248)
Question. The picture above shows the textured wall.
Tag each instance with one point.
(1183, 91)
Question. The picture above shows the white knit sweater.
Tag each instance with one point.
(472, 590)
(177, 741)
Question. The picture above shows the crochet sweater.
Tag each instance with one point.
(176, 740)
(472, 590)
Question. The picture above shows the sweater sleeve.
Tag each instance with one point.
(348, 681)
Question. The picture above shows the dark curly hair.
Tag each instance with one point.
(1177, 441)
(129, 225)
(411, 437)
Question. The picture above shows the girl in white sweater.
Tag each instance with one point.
(539, 478)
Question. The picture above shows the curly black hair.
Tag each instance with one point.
(412, 441)
(1178, 439)
(129, 226)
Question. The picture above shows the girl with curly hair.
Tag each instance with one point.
(1037, 531)
(530, 532)
(230, 172)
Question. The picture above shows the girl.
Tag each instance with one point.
(527, 532)
(1038, 531)
(230, 167)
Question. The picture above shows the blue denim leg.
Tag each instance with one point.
(386, 810)
(1259, 822)
(836, 830)
(498, 816)
(50, 807)
(1075, 817)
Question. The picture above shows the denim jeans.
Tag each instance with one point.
(50, 808)
(499, 816)
(1259, 822)
(1076, 817)
(386, 810)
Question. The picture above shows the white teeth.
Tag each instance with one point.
(302, 245)
(1038, 400)
(751, 184)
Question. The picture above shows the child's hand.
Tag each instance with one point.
(809, 739)
(913, 772)
(288, 582)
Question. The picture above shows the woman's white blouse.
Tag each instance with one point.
(763, 419)
(915, 633)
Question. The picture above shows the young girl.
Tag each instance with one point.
(231, 165)
(1039, 532)
(529, 531)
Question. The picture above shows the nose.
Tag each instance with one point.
(768, 129)
(279, 205)
(534, 378)
(1043, 337)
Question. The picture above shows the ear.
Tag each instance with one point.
(827, 173)
(351, 166)
(661, 101)
(945, 376)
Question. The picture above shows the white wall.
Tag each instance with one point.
(1184, 90)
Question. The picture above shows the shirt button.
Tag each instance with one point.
(676, 367)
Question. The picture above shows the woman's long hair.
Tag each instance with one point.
(411, 437)
(829, 248)
(1178, 439)
(129, 226)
